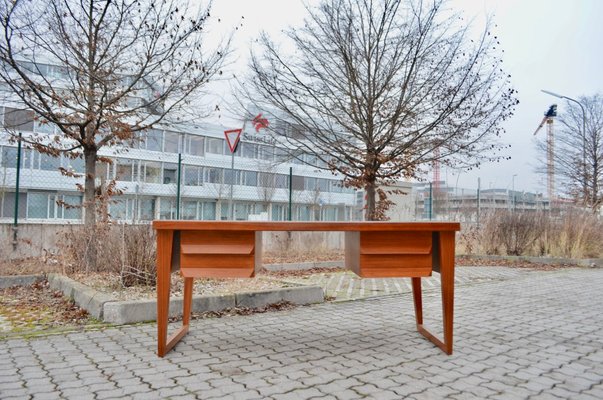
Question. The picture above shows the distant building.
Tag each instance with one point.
(465, 204)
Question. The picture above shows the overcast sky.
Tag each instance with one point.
(555, 45)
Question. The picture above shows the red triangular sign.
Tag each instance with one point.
(232, 138)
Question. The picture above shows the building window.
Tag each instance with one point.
(329, 213)
(7, 201)
(72, 207)
(43, 126)
(74, 164)
(48, 162)
(152, 172)
(189, 210)
(153, 140)
(213, 175)
(125, 170)
(323, 185)
(250, 178)
(170, 173)
(249, 150)
(336, 186)
(310, 184)
(9, 157)
(266, 153)
(215, 146)
(147, 209)
(281, 181)
(278, 212)
(304, 213)
(193, 176)
(167, 208)
(38, 205)
(118, 208)
(171, 142)
(194, 145)
(209, 211)
(297, 182)
(232, 177)
(16, 120)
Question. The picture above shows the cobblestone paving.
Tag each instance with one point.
(537, 335)
(348, 286)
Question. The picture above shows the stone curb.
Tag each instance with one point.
(89, 299)
(19, 280)
(102, 306)
(304, 265)
(584, 262)
(132, 311)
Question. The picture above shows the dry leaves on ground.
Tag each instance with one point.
(280, 306)
(36, 307)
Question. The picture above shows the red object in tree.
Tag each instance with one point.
(260, 123)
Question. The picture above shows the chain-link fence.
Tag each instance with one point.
(150, 181)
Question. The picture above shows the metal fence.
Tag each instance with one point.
(140, 186)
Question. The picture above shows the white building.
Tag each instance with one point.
(147, 173)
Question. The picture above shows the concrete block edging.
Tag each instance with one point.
(103, 307)
(19, 280)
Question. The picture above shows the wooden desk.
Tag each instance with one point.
(220, 249)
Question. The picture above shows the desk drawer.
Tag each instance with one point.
(217, 254)
(390, 254)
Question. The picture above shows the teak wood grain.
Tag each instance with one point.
(219, 249)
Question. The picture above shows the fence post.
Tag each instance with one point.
(478, 200)
(430, 200)
(16, 219)
(290, 193)
(178, 186)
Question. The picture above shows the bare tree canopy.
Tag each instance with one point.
(98, 72)
(578, 155)
(373, 88)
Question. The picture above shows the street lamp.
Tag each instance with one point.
(583, 137)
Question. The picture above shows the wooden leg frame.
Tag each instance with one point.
(446, 261)
(165, 343)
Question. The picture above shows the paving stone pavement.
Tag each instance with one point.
(536, 336)
(346, 285)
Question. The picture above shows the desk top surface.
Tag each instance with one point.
(304, 226)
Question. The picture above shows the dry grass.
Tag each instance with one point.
(573, 234)
(29, 266)
(126, 250)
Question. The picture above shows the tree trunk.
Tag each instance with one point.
(90, 208)
(369, 191)
(89, 188)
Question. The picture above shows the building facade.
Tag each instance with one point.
(146, 175)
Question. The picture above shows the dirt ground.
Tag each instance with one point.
(36, 308)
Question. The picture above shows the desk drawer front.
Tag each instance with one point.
(395, 254)
(217, 254)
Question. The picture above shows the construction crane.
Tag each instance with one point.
(550, 149)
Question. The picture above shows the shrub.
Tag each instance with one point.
(572, 233)
(127, 250)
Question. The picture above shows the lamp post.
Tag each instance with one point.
(583, 138)
(513, 190)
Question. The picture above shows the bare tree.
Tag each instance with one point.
(101, 72)
(578, 155)
(374, 87)
(266, 184)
